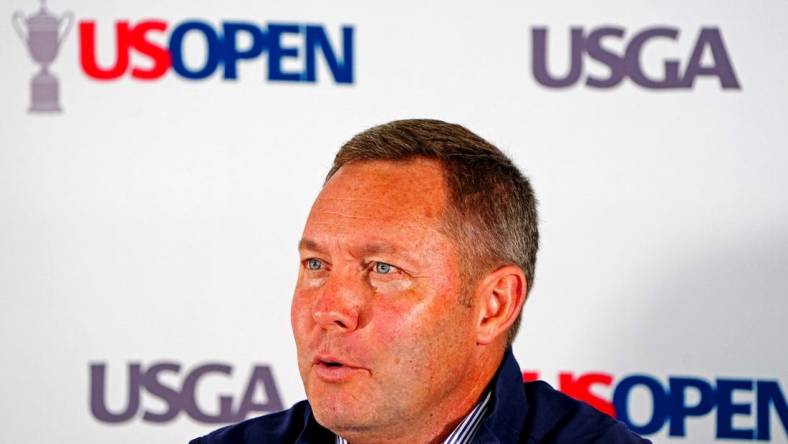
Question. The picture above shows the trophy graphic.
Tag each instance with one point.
(43, 38)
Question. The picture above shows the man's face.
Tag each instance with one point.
(382, 339)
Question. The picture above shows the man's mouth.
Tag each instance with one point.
(331, 369)
(331, 364)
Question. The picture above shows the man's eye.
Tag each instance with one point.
(383, 268)
(314, 264)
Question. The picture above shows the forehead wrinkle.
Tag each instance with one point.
(347, 203)
(388, 224)
(348, 206)
(340, 214)
(354, 199)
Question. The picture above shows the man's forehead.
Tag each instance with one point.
(384, 190)
(368, 206)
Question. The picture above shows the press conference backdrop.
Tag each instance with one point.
(158, 161)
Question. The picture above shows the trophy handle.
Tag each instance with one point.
(18, 19)
(68, 17)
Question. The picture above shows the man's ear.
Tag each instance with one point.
(500, 295)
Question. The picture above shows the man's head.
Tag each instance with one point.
(492, 209)
(415, 262)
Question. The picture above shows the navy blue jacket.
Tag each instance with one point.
(518, 413)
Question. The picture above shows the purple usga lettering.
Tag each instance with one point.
(628, 64)
(183, 399)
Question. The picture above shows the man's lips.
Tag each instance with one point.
(332, 369)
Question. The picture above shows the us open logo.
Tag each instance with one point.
(146, 50)
(43, 33)
(760, 418)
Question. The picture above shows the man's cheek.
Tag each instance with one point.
(393, 319)
(403, 338)
(302, 324)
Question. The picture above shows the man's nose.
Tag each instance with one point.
(338, 306)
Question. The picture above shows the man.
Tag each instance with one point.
(416, 260)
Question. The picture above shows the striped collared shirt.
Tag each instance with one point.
(465, 431)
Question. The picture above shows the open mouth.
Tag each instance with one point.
(330, 369)
(331, 364)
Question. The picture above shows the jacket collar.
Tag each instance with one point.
(508, 407)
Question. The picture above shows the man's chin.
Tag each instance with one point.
(343, 420)
(344, 407)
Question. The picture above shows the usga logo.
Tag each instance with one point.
(675, 75)
(153, 381)
(681, 399)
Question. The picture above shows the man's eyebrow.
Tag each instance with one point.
(369, 249)
(372, 249)
(309, 244)
(403, 257)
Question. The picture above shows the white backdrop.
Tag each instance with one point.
(157, 221)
